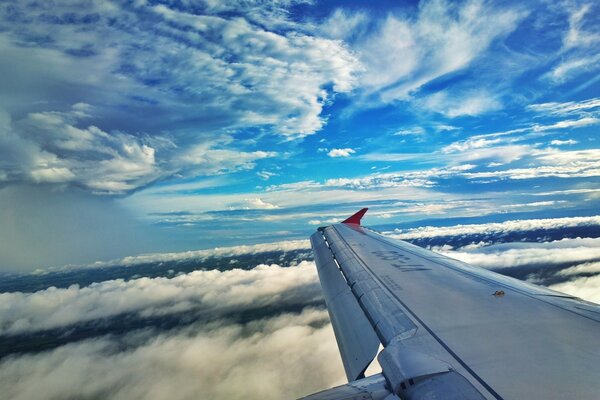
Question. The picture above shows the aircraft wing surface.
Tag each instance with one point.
(449, 330)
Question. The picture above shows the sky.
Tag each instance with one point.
(130, 127)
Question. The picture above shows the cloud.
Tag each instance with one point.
(563, 142)
(346, 152)
(274, 358)
(45, 226)
(197, 65)
(165, 84)
(496, 228)
(210, 291)
(576, 35)
(57, 147)
(475, 142)
(283, 246)
(566, 108)
(402, 54)
(258, 203)
(587, 288)
(518, 254)
(51, 147)
(572, 67)
(550, 162)
(417, 130)
(205, 159)
(464, 104)
(579, 45)
(266, 175)
(585, 268)
(586, 121)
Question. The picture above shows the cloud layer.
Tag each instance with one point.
(496, 228)
(212, 292)
(282, 357)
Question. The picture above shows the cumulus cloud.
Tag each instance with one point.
(587, 288)
(152, 77)
(260, 204)
(345, 152)
(529, 253)
(495, 228)
(53, 147)
(199, 290)
(585, 268)
(282, 357)
(198, 64)
(283, 246)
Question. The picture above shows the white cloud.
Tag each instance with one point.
(563, 142)
(346, 152)
(266, 175)
(571, 67)
(160, 73)
(205, 159)
(259, 204)
(211, 290)
(526, 253)
(587, 288)
(50, 147)
(550, 162)
(276, 358)
(417, 130)
(495, 228)
(566, 108)
(471, 143)
(585, 268)
(576, 36)
(288, 245)
(405, 53)
(578, 123)
(463, 104)
(579, 48)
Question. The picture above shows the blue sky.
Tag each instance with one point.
(138, 126)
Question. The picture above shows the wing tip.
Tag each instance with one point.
(356, 217)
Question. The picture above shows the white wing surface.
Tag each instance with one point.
(449, 330)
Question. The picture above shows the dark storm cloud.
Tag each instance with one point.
(44, 227)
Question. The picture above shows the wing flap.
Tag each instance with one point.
(354, 334)
(384, 313)
(371, 388)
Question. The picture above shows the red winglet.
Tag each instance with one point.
(355, 219)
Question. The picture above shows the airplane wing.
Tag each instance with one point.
(449, 330)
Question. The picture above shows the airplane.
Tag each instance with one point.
(448, 330)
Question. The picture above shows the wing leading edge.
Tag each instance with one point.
(449, 330)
